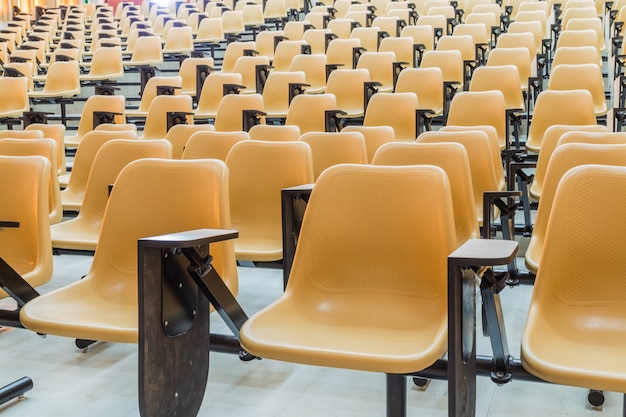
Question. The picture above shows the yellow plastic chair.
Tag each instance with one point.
(82, 232)
(214, 145)
(581, 76)
(314, 68)
(453, 159)
(178, 136)
(334, 148)
(15, 97)
(534, 27)
(26, 248)
(483, 172)
(577, 290)
(40, 147)
(567, 107)
(396, 110)
(56, 132)
(150, 91)
(156, 126)
(258, 171)
(285, 52)
(247, 67)
(331, 284)
(179, 40)
(106, 64)
(576, 55)
(402, 47)
(72, 195)
(232, 22)
(374, 136)
(230, 112)
(422, 34)
(426, 84)
(550, 141)
(462, 43)
(276, 133)
(21, 134)
(210, 31)
(340, 51)
(519, 57)
(182, 195)
(308, 111)
(265, 43)
(147, 51)
(347, 85)
(294, 30)
(213, 92)
(564, 158)
(97, 103)
(187, 72)
(277, 90)
(479, 108)
(381, 68)
(449, 62)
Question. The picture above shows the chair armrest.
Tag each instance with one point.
(188, 239)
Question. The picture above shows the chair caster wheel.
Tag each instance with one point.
(595, 398)
(421, 383)
(246, 357)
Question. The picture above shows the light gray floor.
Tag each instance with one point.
(103, 381)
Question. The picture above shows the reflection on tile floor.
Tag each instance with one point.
(103, 380)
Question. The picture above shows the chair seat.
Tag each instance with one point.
(595, 348)
(83, 312)
(258, 248)
(75, 235)
(72, 201)
(396, 343)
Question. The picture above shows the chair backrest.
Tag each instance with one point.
(83, 160)
(215, 145)
(99, 103)
(453, 159)
(285, 51)
(178, 136)
(449, 62)
(426, 84)
(519, 57)
(307, 111)
(187, 72)
(107, 61)
(580, 282)
(374, 136)
(229, 117)
(147, 51)
(276, 91)
(314, 67)
(15, 96)
(109, 161)
(48, 149)
(564, 158)
(484, 107)
(339, 52)
(181, 195)
(213, 91)
(56, 132)
(347, 87)
(333, 148)
(581, 76)
(151, 89)
(565, 107)
(575, 55)
(265, 42)
(548, 145)
(26, 248)
(422, 34)
(258, 171)
(424, 211)
(462, 43)
(380, 67)
(63, 79)
(504, 78)
(483, 173)
(156, 120)
(393, 109)
(277, 133)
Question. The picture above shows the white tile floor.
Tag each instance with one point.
(103, 380)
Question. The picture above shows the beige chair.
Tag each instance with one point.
(277, 133)
(178, 136)
(40, 147)
(213, 92)
(72, 195)
(258, 171)
(147, 51)
(564, 158)
(337, 275)
(247, 67)
(578, 289)
(285, 52)
(230, 112)
(347, 85)
(314, 68)
(156, 126)
(15, 93)
(334, 148)
(26, 248)
(106, 64)
(567, 107)
(581, 76)
(396, 110)
(453, 159)
(110, 104)
(82, 232)
(214, 145)
(375, 137)
(56, 132)
(308, 111)
(277, 91)
(381, 68)
(182, 195)
(427, 85)
(150, 91)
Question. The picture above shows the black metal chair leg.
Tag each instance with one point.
(15, 389)
(396, 395)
